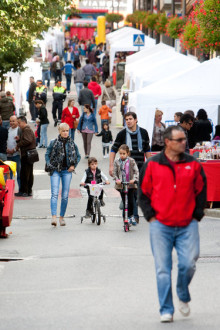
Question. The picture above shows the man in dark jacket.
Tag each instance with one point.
(172, 196)
(44, 122)
(186, 122)
(24, 143)
(3, 141)
(31, 92)
(59, 96)
(7, 109)
(86, 96)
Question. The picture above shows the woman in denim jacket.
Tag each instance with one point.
(62, 157)
(88, 127)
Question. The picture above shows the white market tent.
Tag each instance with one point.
(196, 88)
(125, 44)
(114, 36)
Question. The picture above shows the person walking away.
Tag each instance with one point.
(96, 89)
(79, 77)
(137, 140)
(186, 123)
(68, 56)
(109, 95)
(7, 109)
(12, 153)
(3, 141)
(104, 112)
(76, 55)
(203, 127)
(126, 170)
(59, 96)
(93, 173)
(44, 122)
(98, 52)
(61, 161)
(105, 68)
(56, 68)
(89, 71)
(69, 69)
(70, 115)
(46, 71)
(158, 131)
(178, 180)
(31, 93)
(25, 142)
(86, 96)
(107, 139)
(40, 92)
(87, 126)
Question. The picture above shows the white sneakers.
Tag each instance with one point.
(166, 318)
(184, 308)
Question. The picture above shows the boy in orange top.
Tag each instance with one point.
(104, 113)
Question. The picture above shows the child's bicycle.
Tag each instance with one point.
(125, 219)
(95, 191)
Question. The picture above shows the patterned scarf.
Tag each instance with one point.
(139, 138)
(58, 153)
(124, 167)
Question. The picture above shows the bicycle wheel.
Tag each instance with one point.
(98, 213)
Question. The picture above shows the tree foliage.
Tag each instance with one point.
(114, 18)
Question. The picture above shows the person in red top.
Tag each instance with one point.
(96, 89)
(172, 196)
(104, 113)
(69, 116)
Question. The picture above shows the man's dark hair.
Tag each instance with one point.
(93, 78)
(168, 133)
(130, 113)
(190, 112)
(68, 62)
(39, 102)
(85, 83)
(87, 61)
(78, 65)
(186, 118)
(23, 118)
(178, 114)
(202, 114)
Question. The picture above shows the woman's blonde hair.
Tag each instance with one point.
(158, 112)
(63, 126)
(108, 83)
(69, 102)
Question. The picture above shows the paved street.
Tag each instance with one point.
(84, 276)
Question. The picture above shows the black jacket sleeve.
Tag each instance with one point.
(201, 198)
(120, 139)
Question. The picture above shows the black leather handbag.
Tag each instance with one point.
(32, 156)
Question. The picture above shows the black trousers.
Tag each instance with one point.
(26, 175)
(33, 110)
(90, 199)
(156, 147)
(57, 105)
(130, 201)
(105, 149)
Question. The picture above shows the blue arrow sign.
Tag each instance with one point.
(138, 39)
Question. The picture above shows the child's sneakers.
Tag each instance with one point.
(132, 221)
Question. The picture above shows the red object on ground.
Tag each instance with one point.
(212, 172)
(6, 206)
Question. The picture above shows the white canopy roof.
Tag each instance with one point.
(196, 88)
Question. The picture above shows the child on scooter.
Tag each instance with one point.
(126, 170)
(93, 175)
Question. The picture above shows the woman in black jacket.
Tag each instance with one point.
(203, 127)
(42, 115)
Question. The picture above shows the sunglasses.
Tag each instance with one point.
(180, 140)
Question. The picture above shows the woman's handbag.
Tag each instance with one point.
(32, 156)
(75, 124)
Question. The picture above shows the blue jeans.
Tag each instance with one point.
(186, 242)
(46, 76)
(65, 177)
(79, 86)
(43, 135)
(104, 121)
(68, 81)
(72, 133)
(17, 160)
(88, 78)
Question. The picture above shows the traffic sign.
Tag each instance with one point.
(138, 39)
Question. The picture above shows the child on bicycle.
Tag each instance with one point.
(126, 170)
(93, 175)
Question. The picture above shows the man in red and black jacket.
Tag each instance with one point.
(172, 196)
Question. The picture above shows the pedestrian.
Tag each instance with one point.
(107, 139)
(137, 140)
(87, 126)
(76, 55)
(37, 131)
(25, 142)
(59, 96)
(192, 132)
(7, 109)
(104, 112)
(61, 160)
(98, 52)
(89, 70)
(217, 133)
(3, 141)
(86, 97)
(186, 123)
(203, 127)
(56, 68)
(30, 99)
(93, 174)
(177, 117)
(70, 116)
(105, 68)
(158, 131)
(96, 89)
(46, 71)
(91, 55)
(69, 69)
(109, 95)
(12, 153)
(172, 196)
(44, 122)
(79, 76)
(68, 56)
(40, 93)
(126, 170)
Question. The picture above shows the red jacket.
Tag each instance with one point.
(95, 88)
(67, 116)
(174, 195)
